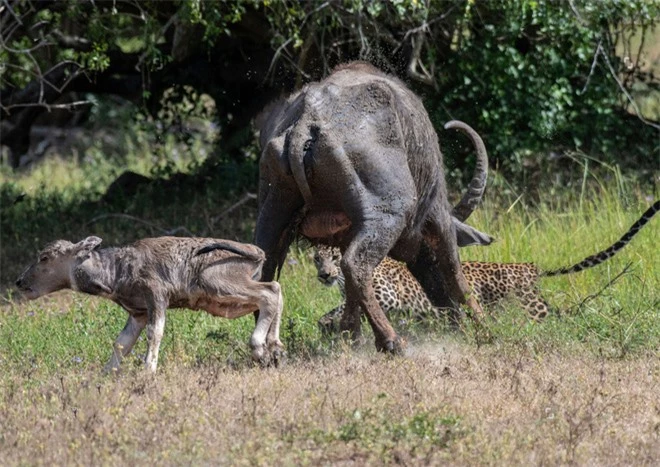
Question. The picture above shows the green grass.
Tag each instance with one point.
(75, 331)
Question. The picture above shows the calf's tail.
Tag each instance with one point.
(257, 256)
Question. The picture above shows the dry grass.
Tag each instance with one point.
(444, 403)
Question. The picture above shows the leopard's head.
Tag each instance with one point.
(326, 260)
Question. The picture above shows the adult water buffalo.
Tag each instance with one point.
(354, 161)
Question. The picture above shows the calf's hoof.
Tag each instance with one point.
(278, 357)
(260, 355)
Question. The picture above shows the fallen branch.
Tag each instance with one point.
(247, 197)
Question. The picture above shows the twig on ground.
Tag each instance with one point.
(590, 297)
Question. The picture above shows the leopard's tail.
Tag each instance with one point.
(602, 256)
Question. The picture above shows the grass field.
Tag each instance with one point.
(580, 387)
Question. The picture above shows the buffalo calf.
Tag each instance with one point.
(154, 274)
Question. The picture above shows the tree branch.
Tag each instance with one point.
(625, 91)
(72, 42)
(247, 197)
(171, 231)
(593, 68)
(57, 78)
(415, 60)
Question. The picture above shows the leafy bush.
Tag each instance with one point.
(536, 76)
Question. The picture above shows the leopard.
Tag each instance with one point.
(396, 289)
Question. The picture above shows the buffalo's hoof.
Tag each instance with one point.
(395, 347)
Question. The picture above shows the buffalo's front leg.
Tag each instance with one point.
(369, 246)
(439, 259)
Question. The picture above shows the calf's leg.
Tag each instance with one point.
(125, 341)
(267, 297)
(155, 327)
(275, 346)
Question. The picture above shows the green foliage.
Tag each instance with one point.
(529, 73)
(533, 76)
(215, 17)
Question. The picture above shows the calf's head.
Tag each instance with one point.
(54, 266)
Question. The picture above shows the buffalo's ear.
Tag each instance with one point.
(85, 246)
(467, 236)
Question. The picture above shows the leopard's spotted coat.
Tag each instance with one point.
(396, 288)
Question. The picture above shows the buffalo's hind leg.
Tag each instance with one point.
(274, 234)
(274, 231)
(369, 246)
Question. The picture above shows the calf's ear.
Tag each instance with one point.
(85, 246)
(466, 235)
